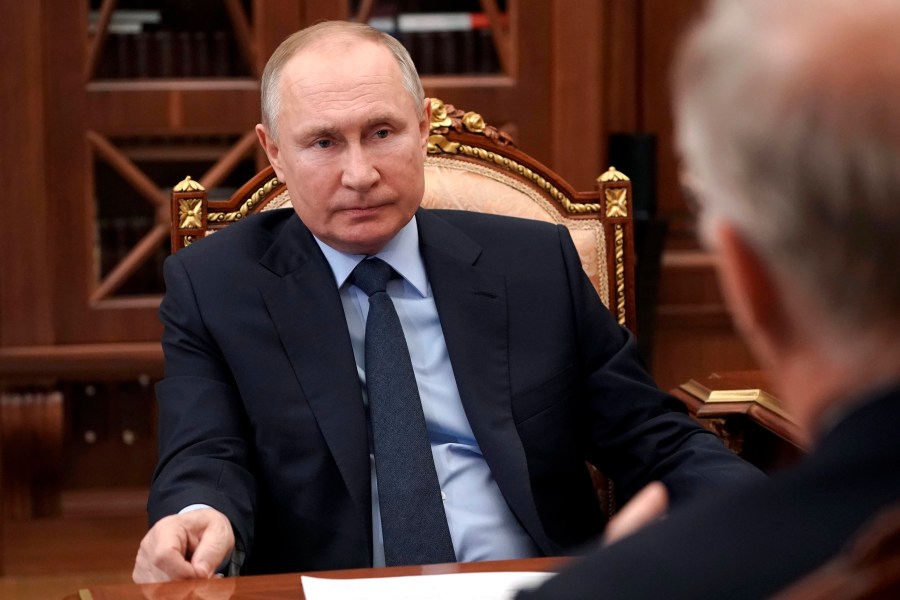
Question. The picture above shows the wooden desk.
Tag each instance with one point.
(278, 587)
(753, 422)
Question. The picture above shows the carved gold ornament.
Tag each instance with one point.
(620, 273)
(190, 213)
(473, 122)
(189, 185)
(439, 116)
(612, 174)
(446, 118)
(258, 196)
(438, 144)
(617, 202)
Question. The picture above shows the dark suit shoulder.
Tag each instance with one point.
(508, 236)
(471, 221)
(758, 537)
(248, 238)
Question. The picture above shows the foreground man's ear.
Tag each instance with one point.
(752, 294)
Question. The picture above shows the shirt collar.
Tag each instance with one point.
(401, 252)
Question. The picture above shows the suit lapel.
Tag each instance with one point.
(305, 307)
(471, 304)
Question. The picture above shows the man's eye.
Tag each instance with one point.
(323, 143)
(382, 133)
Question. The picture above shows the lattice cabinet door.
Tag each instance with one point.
(172, 88)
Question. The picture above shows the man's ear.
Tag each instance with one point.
(752, 293)
(270, 146)
(425, 124)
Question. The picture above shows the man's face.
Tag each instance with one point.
(351, 144)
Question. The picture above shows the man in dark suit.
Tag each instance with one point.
(265, 445)
(788, 121)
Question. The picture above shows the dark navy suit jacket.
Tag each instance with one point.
(752, 541)
(261, 413)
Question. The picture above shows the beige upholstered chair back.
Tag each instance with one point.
(470, 166)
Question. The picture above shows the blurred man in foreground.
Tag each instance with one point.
(788, 122)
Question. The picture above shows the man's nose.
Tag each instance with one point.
(360, 172)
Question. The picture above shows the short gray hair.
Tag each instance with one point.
(269, 84)
(788, 113)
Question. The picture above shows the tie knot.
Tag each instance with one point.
(372, 275)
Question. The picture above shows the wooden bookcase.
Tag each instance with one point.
(94, 152)
(101, 120)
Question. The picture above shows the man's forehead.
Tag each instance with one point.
(336, 40)
(351, 79)
(322, 66)
(335, 49)
(343, 96)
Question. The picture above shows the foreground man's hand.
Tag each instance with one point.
(186, 546)
(647, 505)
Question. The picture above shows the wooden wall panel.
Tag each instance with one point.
(26, 243)
(274, 20)
(595, 79)
(622, 73)
(662, 23)
(696, 351)
(694, 335)
(578, 103)
(692, 331)
(69, 170)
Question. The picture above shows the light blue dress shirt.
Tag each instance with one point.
(482, 526)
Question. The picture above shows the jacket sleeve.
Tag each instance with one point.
(204, 453)
(634, 432)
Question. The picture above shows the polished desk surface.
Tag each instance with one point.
(276, 587)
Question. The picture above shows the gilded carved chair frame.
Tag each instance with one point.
(600, 220)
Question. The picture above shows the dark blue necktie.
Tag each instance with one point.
(413, 521)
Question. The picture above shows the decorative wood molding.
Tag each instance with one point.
(81, 360)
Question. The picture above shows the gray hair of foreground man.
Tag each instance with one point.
(788, 117)
(269, 84)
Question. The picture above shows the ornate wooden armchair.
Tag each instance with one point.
(473, 166)
(470, 166)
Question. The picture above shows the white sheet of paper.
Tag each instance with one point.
(453, 586)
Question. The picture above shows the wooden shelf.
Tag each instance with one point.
(85, 360)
